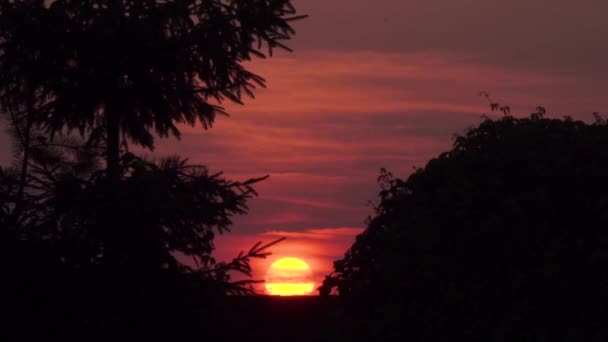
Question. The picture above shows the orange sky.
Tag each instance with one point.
(386, 84)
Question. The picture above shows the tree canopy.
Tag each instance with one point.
(134, 67)
(91, 235)
(501, 238)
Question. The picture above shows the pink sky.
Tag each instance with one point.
(387, 83)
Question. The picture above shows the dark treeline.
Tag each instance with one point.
(502, 238)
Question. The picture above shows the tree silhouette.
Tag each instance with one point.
(135, 66)
(127, 69)
(92, 235)
(501, 238)
(57, 254)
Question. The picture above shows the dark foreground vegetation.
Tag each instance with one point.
(95, 241)
(502, 238)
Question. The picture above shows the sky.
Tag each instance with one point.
(386, 83)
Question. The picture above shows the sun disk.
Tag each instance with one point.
(289, 277)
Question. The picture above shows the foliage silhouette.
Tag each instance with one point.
(502, 238)
(164, 215)
(92, 235)
(131, 67)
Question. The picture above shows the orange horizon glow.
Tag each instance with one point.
(289, 277)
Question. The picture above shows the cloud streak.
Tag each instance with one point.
(331, 119)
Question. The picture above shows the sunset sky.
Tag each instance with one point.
(386, 83)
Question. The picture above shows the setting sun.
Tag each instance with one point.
(289, 277)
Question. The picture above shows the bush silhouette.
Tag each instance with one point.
(501, 238)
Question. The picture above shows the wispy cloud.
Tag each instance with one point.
(317, 234)
(330, 119)
(310, 203)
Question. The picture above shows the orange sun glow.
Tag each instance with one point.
(289, 277)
